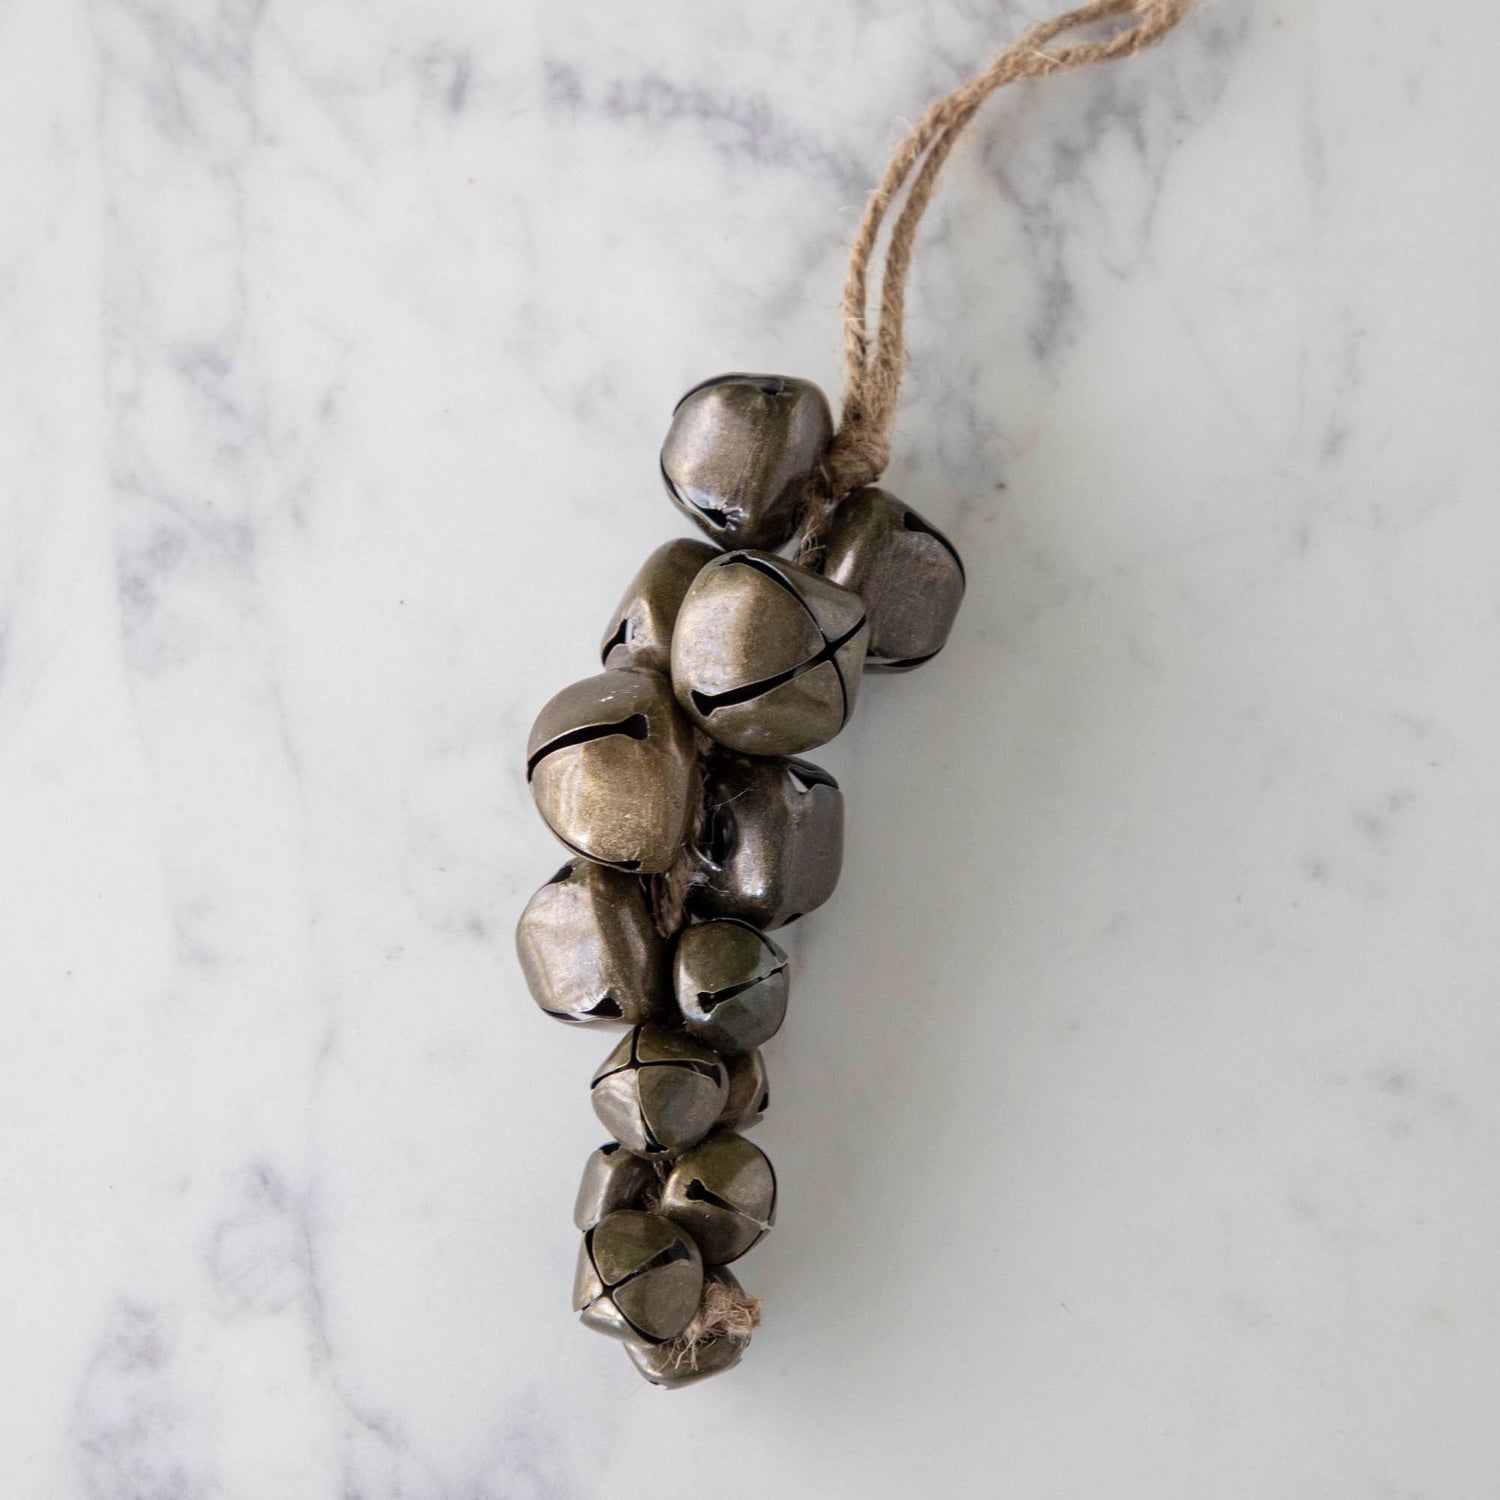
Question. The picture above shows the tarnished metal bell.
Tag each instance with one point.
(660, 1091)
(589, 949)
(723, 1192)
(640, 634)
(671, 1364)
(749, 1092)
(907, 572)
(639, 1277)
(611, 766)
(766, 656)
(772, 842)
(731, 983)
(740, 452)
(613, 1178)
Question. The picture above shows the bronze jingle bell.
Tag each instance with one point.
(772, 842)
(723, 1192)
(613, 1178)
(640, 632)
(740, 453)
(766, 655)
(589, 948)
(731, 983)
(908, 573)
(749, 1092)
(639, 1277)
(677, 1363)
(659, 1092)
(612, 768)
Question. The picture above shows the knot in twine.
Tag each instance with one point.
(861, 448)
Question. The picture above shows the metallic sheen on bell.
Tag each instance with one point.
(906, 571)
(740, 453)
(639, 1277)
(671, 1365)
(766, 655)
(749, 1092)
(612, 768)
(731, 984)
(723, 1192)
(589, 948)
(772, 842)
(659, 1091)
(640, 633)
(613, 1179)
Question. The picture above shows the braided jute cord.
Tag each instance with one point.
(861, 447)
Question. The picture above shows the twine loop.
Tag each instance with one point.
(873, 359)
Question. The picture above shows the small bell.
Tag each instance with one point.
(613, 1178)
(659, 1092)
(731, 984)
(773, 840)
(723, 1192)
(640, 634)
(740, 452)
(639, 1277)
(589, 948)
(766, 655)
(611, 766)
(683, 1360)
(906, 571)
(749, 1092)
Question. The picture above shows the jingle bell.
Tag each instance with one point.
(740, 452)
(723, 1192)
(611, 766)
(613, 1178)
(589, 948)
(639, 1277)
(640, 634)
(659, 1091)
(731, 983)
(671, 1365)
(907, 572)
(766, 655)
(749, 1092)
(772, 843)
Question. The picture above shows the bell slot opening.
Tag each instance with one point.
(695, 1192)
(710, 1000)
(709, 703)
(697, 502)
(636, 727)
(897, 663)
(805, 776)
(687, 1064)
(621, 637)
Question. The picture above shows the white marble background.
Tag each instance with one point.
(1138, 1118)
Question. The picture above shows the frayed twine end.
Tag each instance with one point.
(724, 1313)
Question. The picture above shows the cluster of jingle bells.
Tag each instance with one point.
(734, 648)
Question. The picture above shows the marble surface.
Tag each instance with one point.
(1137, 1116)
